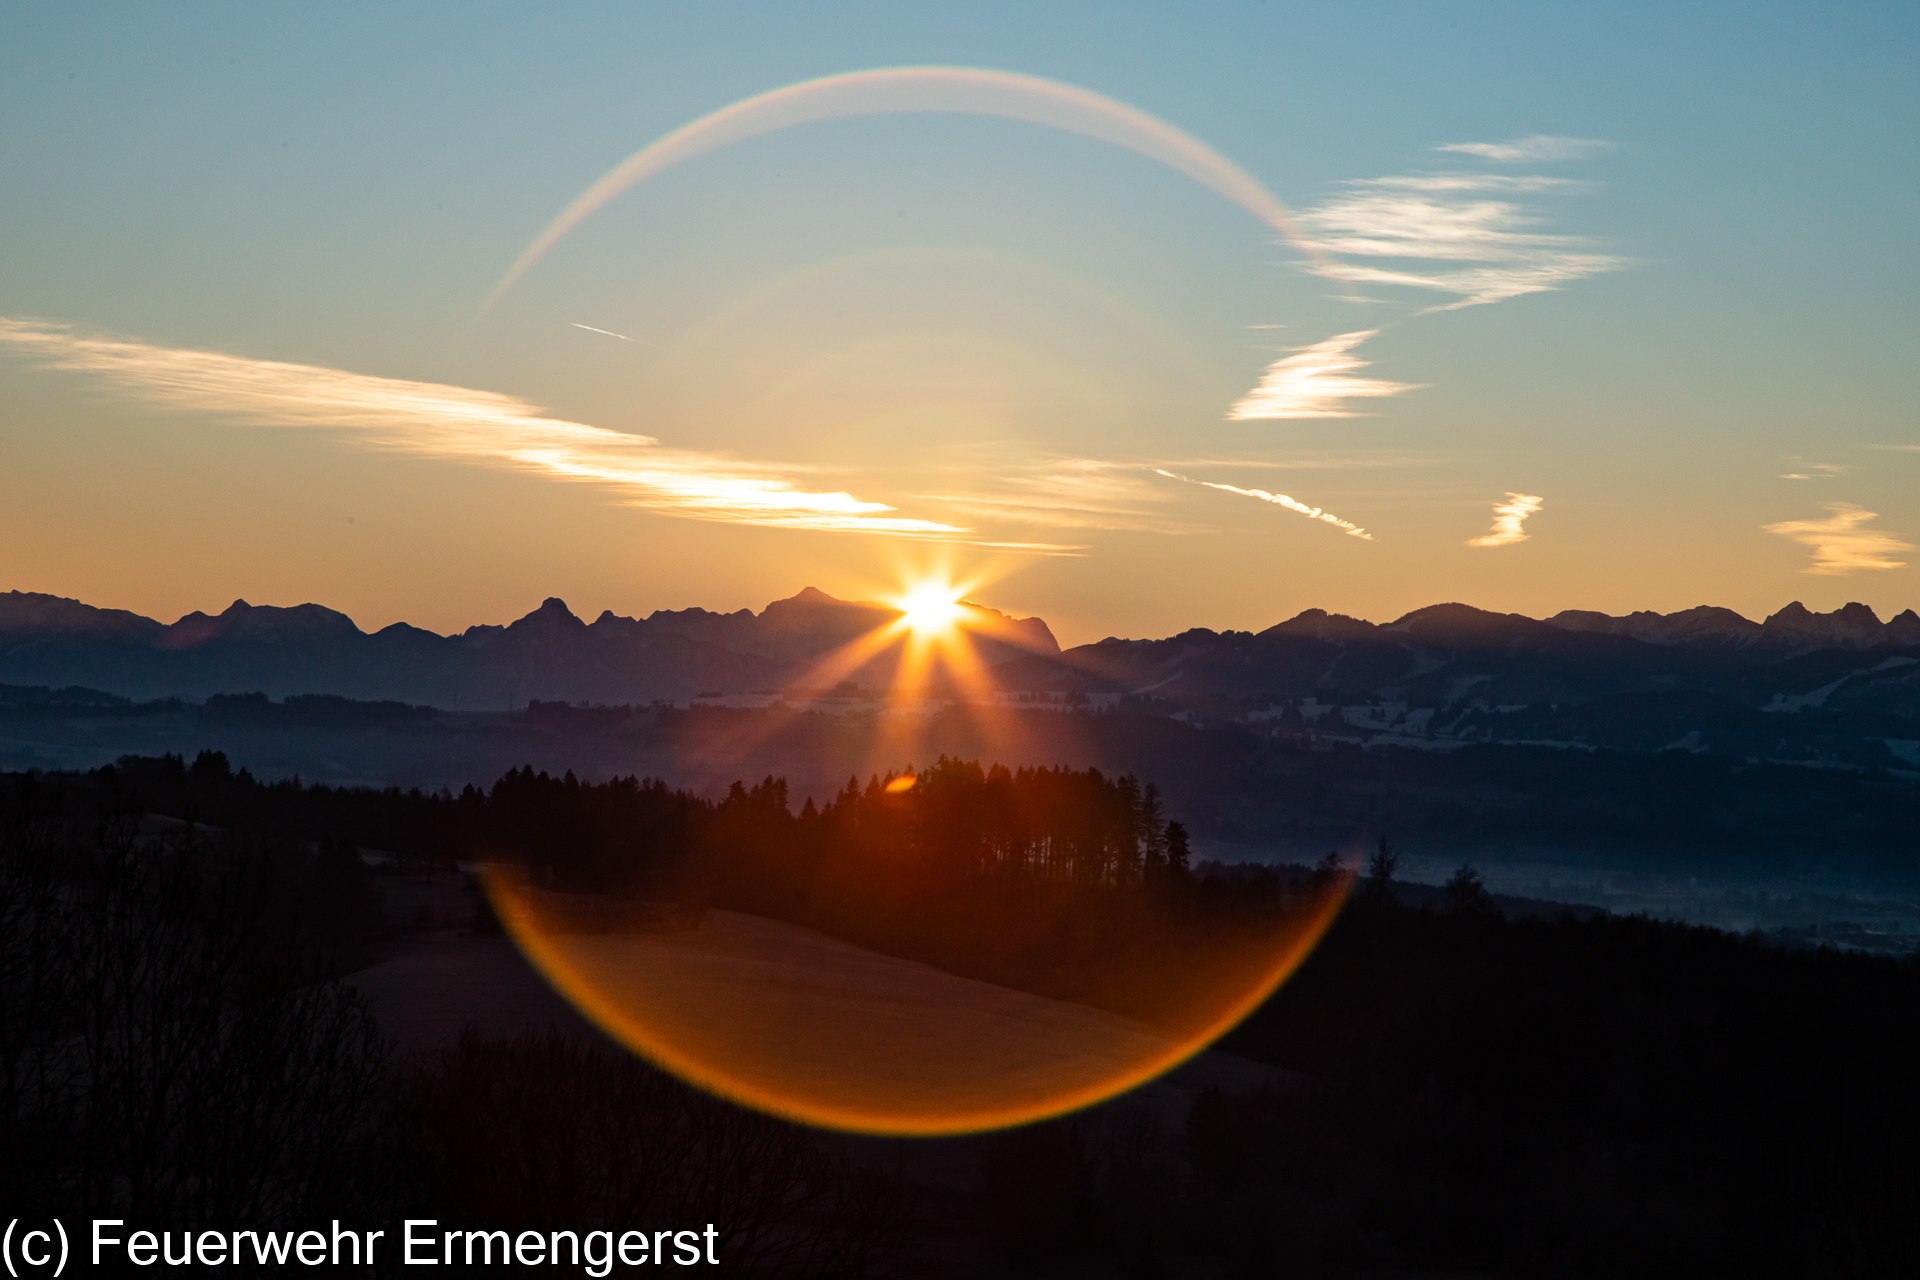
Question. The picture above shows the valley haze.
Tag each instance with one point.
(1698, 762)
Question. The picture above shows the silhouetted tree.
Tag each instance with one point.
(1464, 890)
(1380, 871)
(1178, 852)
(1152, 825)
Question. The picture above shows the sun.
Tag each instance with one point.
(930, 608)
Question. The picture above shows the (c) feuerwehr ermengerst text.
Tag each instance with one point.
(422, 1243)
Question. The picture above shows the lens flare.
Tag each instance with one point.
(931, 608)
(798, 1024)
(794, 1022)
(969, 90)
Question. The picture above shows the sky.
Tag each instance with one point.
(1134, 317)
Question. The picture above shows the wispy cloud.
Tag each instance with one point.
(1535, 147)
(1385, 458)
(1314, 382)
(1814, 470)
(1458, 233)
(458, 423)
(1840, 545)
(1449, 218)
(1068, 493)
(1279, 499)
(1508, 516)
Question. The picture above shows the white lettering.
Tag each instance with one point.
(350, 1238)
(98, 1240)
(318, 1244)
(411, 1240)
(142, 1242)
(272, 1245)
(216, 1243)
(486, 1251)
(530, 1242)
(605, 1261)
(713, 1242)
(686, 1242)
(633, 1262)
(32, 1261)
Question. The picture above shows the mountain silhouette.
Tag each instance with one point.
(1443, 655)
(1454, 655)
(549, 654)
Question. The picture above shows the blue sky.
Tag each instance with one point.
(959, 317)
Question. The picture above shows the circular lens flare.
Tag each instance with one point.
(802, 1025)
(1041, 993)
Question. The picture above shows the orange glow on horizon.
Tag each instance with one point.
(938, 658)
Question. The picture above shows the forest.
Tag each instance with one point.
(1539, 1097)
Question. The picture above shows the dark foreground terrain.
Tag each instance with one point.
(1463, 1093)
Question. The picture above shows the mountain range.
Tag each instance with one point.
(550, 654)
(1441, 662)
(1651, 741)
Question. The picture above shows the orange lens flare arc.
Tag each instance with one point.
(799, 1025)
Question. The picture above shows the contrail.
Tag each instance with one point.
(610, 333)
(1279, 499)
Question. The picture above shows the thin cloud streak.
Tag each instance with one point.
(1508, 516)
(1070, 493)
(1060, 515)
(610, 333)
(1279, 499)
(1840, 545)
(1536, 147)
(1815, 470)
(458, 423)
(1393, 461)
(1313, 382)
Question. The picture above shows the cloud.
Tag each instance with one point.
(1071, 493)
(1814, 470)
(1392, 230)
(1385, 458)
(1449, 218)
(1537, 147)
(1839, 544)
(1508, 516)
(1279, 499)
(1457, 181)
(458, 423)
(1313, 382)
